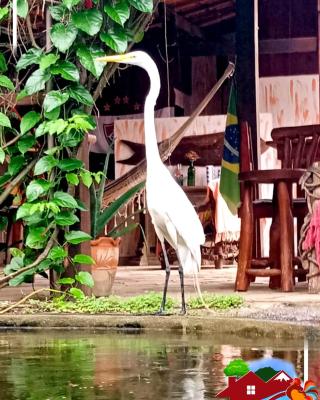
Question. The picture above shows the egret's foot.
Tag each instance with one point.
(183, 311)
(161, 312)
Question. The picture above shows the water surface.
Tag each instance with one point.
(56, 365)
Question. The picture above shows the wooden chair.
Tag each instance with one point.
(297, 148)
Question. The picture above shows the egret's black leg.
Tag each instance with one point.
(164, 298)
(183, 301)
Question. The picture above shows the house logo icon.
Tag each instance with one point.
(281, 386)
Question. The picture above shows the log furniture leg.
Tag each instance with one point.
(245, 245)
(286, 229)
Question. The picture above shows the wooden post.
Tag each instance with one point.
(286, 231)
(85, 220)
(245, 245)
(247, 69)
(83, 194)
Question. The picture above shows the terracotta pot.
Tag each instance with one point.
(105, 252)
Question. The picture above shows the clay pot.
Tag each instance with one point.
(105, 252)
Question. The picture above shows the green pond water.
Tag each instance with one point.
(77, 365)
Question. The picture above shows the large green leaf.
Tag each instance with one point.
(3, 63)
(58, 12)
(45, 164)
(47, 60)
(23, 211)
(4, 12)
(76, 237)
(70, 164)
(66, 281)
(25, 277)
(32, 56)
(80, 94)
(67, 70)
(37, 81)
(37, 188)
(119, 11)
(63, 36)
(86, 178)
(70, 3)
(28, 121)
(4, 120)
(56, 126)
(15, 165)
(114, 207)
(85, 278)
(43, 266)
(37, 237)
(53, 114)
(57, 253)
(72, 178)
(83, 122)
(22, 8)
(63, 199)
(71, 139)
(116, 39)
(87, 57)
(142, 5)
(16, 263)
(88, 21)
(25, 143)
(66, 218)
(83, 259)
(54, 99)
(6, 82)
(77, 293)
(41, 129)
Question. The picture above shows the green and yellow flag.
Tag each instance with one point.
(229, 180)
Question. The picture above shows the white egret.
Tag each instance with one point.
(173, 216)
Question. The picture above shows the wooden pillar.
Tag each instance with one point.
(247, 71)
(204, 75)
(83, 194)
(85, 220)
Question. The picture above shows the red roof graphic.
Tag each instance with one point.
(252, 387)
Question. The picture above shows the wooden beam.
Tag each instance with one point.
(215, 18)
(289, 45)
(187, 5)
(205, 10)
(247, 68)
(184, 25)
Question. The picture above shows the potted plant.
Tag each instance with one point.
(105, 249)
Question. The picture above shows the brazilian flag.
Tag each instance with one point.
(229, 180)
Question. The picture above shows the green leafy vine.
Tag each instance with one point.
(59, 76)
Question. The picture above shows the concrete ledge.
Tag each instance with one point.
(189, 324)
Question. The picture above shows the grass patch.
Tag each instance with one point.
(142, 304)
(147, 303)
(217, 302)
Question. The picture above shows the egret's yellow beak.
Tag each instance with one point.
(118, 58)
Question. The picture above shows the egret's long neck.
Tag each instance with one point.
(152, 152)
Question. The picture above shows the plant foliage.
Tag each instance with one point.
(39, 146)
(142, 304)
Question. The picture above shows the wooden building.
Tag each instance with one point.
(275, 46)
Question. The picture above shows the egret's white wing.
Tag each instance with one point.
(173, 215)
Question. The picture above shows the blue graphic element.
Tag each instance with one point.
(276, 363)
